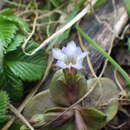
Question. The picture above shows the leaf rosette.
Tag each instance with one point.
(53, 109)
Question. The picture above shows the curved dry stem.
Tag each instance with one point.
(106, 61)
(119, 126)
(31, 34)
(123, 92)
(79, 121)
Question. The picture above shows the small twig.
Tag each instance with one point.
(91, 67)
(106, 61)
(109, 102)
(31, 34)
(79, 121)
(119, 126)
(50, 13)
(20, 116)
(119, 85)
(15, 4)
(47, 23)
(34, 90)
(88, 57)
(29, 11)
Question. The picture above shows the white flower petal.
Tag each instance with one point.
(58, 54)
(69, 56)
(64, 50)
(78, 51)
(61, 64)
(77, 66)
(79, 60)
(82, 55)
(70, 49)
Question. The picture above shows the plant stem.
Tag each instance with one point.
(80, 124)
(105, 54)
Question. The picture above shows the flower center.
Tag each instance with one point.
(70, 60)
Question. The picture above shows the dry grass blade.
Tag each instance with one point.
(20, 116)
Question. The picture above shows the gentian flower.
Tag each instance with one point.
(69, 57)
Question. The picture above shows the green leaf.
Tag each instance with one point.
(36, 107)
(1, 55)
(67, 126)
(11, 84)
(129, 44)
(94, 118)
(4, 103)
(105, 93)
(7, 32)
(98, 3)
(55, 3)
(16, 21)
(6, 11)
(23, 127)
(27, 67)
(4, 118)
(5, 16)
(17, 41)
(16, 125)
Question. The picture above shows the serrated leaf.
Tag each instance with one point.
(7, 11)
(4, 102)
(1, 56)
(17, 21)
(19, 38)
(11, 84)
(4, 118)
(7, 32)
(27, 67)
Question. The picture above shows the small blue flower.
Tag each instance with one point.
(70, 56)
